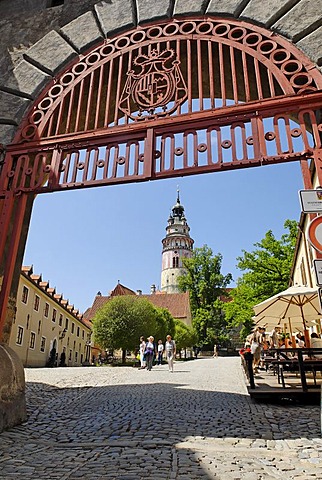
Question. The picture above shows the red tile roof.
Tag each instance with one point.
(178, 304)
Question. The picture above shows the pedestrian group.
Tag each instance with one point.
(149, 351)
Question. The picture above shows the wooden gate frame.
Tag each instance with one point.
(143, 105)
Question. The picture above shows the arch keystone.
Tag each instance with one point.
(115, 15)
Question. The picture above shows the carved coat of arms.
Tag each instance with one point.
(154, 87)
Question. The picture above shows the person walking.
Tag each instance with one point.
(170, 348)
(160, 352)
(149, 349)
(142, 353)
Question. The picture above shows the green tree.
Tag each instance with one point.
(267, 271)
(165, 324)
(184, 336)
(206, 285)
(122, 320)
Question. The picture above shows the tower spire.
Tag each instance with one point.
(177, 245)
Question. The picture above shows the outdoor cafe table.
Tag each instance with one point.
(303, 360)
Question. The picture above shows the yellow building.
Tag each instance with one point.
(47, 327)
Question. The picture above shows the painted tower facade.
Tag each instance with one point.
(177, 245)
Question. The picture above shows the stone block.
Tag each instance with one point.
(12, 108)
(26, 79)
(186, 7)
(148, 10)
(7, 132)
(83, 32)
(12, 389)
(51, 53)
(298, 21)
(312, 46)
(115, 15)
(266, 13)
(228, 7)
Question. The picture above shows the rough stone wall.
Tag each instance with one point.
(38, 40)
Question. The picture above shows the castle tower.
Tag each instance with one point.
(177, 245)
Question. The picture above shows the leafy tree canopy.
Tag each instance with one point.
(184, 336)
(122, 320)
(203, 278)
(267, 271)
(206, 285)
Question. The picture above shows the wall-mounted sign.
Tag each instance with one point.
(318, 271)
(311, 200)
(315, 233)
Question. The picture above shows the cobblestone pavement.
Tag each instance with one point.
(127, 424)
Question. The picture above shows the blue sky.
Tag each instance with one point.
(85, 241)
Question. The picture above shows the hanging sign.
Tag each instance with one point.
(311, 200)
(315, 233)
(318, 271)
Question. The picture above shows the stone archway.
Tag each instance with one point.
(35, 155)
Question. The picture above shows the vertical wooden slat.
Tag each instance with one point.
(246, 78)
(115, 164)
(118, 93)
(258, 79)
(178, 44)
(60, 111)
(99, 96)
(222, 74)
(70, 109)
(233, 74)
(86, 164)
(95, 160)
(89, 101)
(271, 83)
(107, 161)
(66, 164)
(75, 169)
(79, 105)
(108, 94)
(211, 75)
(199, 66)
(189, 74)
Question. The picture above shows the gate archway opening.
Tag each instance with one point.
(173, 98)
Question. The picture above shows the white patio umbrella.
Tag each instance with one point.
(298, 307)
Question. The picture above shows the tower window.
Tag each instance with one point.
(175, 262)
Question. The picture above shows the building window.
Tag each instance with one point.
(73, 327)
(70, 355)
(83, 334)
(81, 358)
(76, 356)
(39, 326)
(36, 303)
(27, 323)
(54, 315)
(60, 319)
(19, 336)
(25, 292)
(175, 262)
(66, 324)
(46, 312)
(74, 344)
(32, 340)
(43, 344)
(78, 331)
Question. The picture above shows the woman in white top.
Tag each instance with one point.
(170, 348)
(160, 352)
(142, 351)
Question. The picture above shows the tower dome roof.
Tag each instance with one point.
(178, 209)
